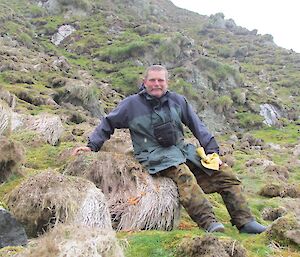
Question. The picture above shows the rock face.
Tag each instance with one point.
(63, 32)
(11, 232)
(270, 113)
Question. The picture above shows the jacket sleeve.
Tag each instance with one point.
(114, 120)
(199, 130)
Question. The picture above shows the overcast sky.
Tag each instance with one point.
(280, 18)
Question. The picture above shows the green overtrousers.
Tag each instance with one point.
(192, 185)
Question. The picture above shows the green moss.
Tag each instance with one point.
(17, 77)
(154, 39)
(45, 156)
(50, 24)
(153, 243)
(250, 120)
(279, 228)
(40, 155)
(81, 4)
(182, 87)
(225, 51)
(128, 79)
(223, 103)
(26, 39)
(120, 52)
(257, 246)
(288, 134)
(216, 70)
(9, 185)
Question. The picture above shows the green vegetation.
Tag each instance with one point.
(286, 135)
(250, 120)
(110, 48)
(223, 103)
(38, 154)
(119, 53)
(217, 71)
(152, 243)
(128, 79)
(182, 87)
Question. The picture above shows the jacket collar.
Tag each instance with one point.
(151, 98)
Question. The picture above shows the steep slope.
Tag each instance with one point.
(64, 64)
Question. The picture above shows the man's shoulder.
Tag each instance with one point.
(175, 96)
(134, 97)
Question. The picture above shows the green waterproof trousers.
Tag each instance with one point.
(192, 185)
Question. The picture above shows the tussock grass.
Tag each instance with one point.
(49, 198)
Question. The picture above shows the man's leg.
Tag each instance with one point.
(192, 197)
(229, 187)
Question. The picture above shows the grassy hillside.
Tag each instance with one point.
(227, 72)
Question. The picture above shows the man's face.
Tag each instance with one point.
(156, 83)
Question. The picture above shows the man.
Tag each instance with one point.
(155, 118)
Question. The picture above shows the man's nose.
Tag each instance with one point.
(156, 81)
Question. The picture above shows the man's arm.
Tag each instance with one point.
(199, 130)
(116, 119)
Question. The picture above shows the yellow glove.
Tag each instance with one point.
(210, 161)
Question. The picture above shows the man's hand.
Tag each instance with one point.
(220, 162)
(80, 149)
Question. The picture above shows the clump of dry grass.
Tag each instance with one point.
(210, 245)
(48, 198)
(4, 119)
(11, 154)
(75, 240)
(136, 199)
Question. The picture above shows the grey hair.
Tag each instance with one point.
(156, 67)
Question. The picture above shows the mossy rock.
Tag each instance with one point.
(278, 230)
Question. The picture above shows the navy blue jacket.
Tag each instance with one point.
(139, 113)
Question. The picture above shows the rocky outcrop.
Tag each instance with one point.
(63, 32)
(11, 232)
(270, 113)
